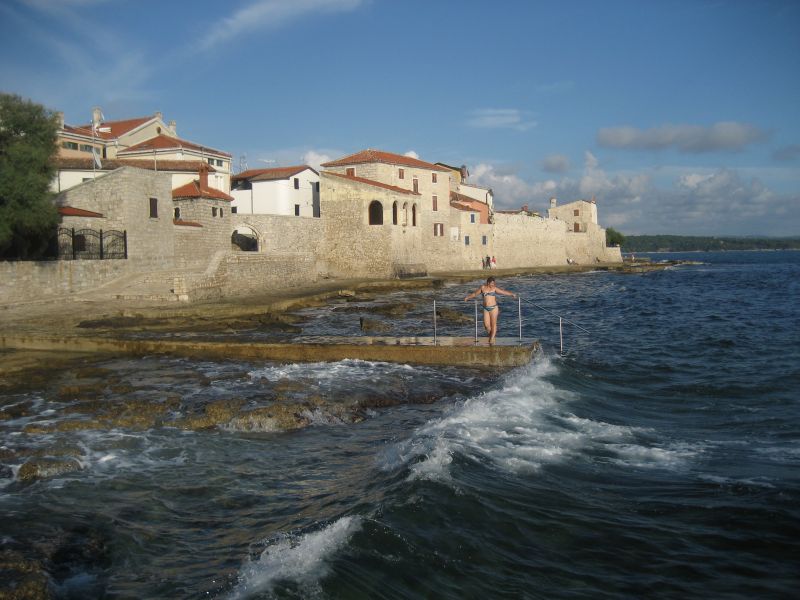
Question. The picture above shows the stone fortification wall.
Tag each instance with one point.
(590, 246)
(31, 280)
(278, 234)
(523, 241)
(123, 198)
(194, 245)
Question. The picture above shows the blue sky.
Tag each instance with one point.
(678, 116)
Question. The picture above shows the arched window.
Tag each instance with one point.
(177, 213)
(375, 213)
(414, 215)
(394, 212)
(405, 214)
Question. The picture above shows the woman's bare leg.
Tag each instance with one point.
(487, 321)
(494, 315)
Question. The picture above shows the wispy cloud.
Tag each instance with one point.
(270, 14)
(787, 153)
(500, 118)
(726, 136)
(555, 163)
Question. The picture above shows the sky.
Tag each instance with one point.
(676, 116)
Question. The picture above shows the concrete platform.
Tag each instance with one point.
(453, 351)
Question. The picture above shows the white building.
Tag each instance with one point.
(278, 191)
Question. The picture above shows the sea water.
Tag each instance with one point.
(657, 457)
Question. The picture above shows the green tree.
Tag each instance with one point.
(28, 217)
(614, 237)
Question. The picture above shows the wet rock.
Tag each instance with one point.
(279, 417)
(122, 389)
(92, 373)
(42, 468)
(373, 326)
(59, 450)
(448, 315)
(83, 549)
(215, 413)
(21, 578)
(112, 322)
(283, 386)
(89, 407)
(77, 392)
(82, 425)
(15, 411)
(396, 309)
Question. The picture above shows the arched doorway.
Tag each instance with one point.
(375, 213)
(244, 239)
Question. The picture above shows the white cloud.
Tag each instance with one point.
(555, 163)
(411, 154)
(696, 201)
(500, 118)
(314, 158)
(728, 135)
(270, 14)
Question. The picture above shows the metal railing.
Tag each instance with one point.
(561, 320)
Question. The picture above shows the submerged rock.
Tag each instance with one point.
(22, 578)
(215, 413)
(373, 326)
(448, 315)
(279, 417)
(42, 468)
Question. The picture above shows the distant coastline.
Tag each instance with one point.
(680, 243)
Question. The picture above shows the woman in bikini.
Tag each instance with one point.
(491, 311)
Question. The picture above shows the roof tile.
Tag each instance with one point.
(379, 156)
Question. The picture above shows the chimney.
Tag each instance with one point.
(173, 127)
(524, 208)
(553, 202)
(60, 119)
(159, 116)
(203, 177)
(97, 115)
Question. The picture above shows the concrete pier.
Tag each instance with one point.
(451, 351)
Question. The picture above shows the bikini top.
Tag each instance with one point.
(484, 294)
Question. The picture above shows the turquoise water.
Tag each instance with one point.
(657, 458)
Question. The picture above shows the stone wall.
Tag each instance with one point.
(28, 280)
(194, 245)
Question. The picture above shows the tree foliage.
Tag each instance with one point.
(28, 217)
(686, 243)
(614, 237)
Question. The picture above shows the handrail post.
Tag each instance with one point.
(434, 321)
(519, 315)
(561, 334)
(476, 321)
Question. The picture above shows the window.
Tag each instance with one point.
(466, 240)
(435, 203)
(401, 173)
(433, 177)
(438, 229)
(405, 214)
(414, 216)
(394, 213)
(153, 208)
(220, 163)
(316, 186)
(213, 211)
(350, 171)
(484, 239)
(296, 210)
(84, 179)
(234, 210)
(70, 145)
(221, 211)
(375, 213)
(296, 183)
(177, 213)
(577, 227)
(416, 185)
(576, 212)
(86, 148)
(211, 161)
(472, 217)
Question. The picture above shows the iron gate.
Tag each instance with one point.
(79, 244)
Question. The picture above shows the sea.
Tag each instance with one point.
(657, 455)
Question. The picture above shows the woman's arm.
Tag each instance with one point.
(504, 292)
(472, 295)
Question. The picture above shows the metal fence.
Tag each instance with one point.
(91, 244)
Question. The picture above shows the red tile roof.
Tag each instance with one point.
(69, 211)
(455, 196)
(117, 128)
(166, 142)
(389, 158)
(371, 182)
(270, 174)
(459, 206)
(193, 190)
(185, 223)
(162, 164)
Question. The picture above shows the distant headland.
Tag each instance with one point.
(687, 243)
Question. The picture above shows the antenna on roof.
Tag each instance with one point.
(242, 162)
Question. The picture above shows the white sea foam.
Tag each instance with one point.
(302, 559)
(521, 427)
